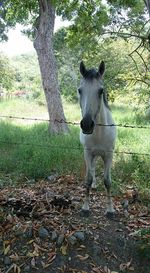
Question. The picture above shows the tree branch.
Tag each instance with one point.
(138, 80)
(127, 35)
(43, 5)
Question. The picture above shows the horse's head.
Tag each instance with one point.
(90, 93)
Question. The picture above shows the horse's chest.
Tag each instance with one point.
(103, 140)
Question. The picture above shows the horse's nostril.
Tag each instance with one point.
(87, 124)
(92, 123)
(82, 124)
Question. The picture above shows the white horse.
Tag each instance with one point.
(97, 140)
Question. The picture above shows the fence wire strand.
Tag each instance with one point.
(76, 123)
(79, 147)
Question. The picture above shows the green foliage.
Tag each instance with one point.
(67, 63)
(27, 75)
(144, 244)
(136, 5)
(20, 73)
(83, 40)
(7, 73)
(17, 11)
(121, 77)
(117, 18)
(91, 18)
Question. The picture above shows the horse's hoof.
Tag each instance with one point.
(110, 215)
(94, 188)
(84, 213)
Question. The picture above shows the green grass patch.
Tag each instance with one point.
(28, 150)
(34, 153)
(144, 244)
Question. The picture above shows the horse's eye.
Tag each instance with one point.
(80, 91)
(100, 91)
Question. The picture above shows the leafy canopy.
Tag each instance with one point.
(89, 17)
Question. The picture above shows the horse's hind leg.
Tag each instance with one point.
(107, 181)
(90, 174)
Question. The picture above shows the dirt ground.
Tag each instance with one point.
(42, 230)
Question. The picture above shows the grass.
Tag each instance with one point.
(39, 154)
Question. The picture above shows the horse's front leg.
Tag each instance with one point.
(94, 185)
(90, 175)
(107, 181)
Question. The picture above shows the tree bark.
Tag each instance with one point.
(43, 45)
(147, 3)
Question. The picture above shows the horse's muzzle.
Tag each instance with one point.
(87, 125)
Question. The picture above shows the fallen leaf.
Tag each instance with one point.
(83, 258)
(10, 218)
(16, 268)
(125, 266)
(106, 269)
(32, 254)
(64, 249)
(33, 262)
(6, 250)
(6, 242)
(97, 270)
(40, 248)
(19, 269)
(147, 223)
(30, 242)
(131, 268)
(52, 257)
(14, 257)
(82, 246)
(44, 265)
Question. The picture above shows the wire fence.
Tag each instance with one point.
(76, 123)
(79, 147)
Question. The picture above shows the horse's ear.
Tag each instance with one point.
(101, 68)
(83, 70)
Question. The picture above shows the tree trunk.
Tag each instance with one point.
(147, 3)
(44, 47)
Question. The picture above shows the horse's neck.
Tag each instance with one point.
(104, 116)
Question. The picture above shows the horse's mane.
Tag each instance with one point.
(91, 74)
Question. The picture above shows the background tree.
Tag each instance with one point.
(40, 15)
(93, 23)
(121, 73)
(7, 73)
(27, 75)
